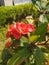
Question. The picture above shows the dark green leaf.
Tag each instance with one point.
(41, 30)
(5, 56)
(45, 50)
(19, 57)
(39, 57)
(27, 63)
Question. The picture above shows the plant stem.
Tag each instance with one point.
(45, 43)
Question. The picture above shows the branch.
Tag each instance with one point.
(45, 43)
(36, 20)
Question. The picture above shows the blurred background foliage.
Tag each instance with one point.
(39, 10)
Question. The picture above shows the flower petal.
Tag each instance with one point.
(15, 34)
(22, 28)
(30, 27)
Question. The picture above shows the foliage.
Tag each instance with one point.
(14, 13)
(3, 31)
(29, 44)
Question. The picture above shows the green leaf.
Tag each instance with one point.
(43, 3)
(41, 30)
(45, 50)
(33, 38)
(40, 4)
(5, 56)
(39, 57)
(26, 62)
(47, 8)
(24, 39)
(19, 57)
(37, 4)
(43, 18)
(46, 56)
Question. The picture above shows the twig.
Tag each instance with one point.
(45, 43)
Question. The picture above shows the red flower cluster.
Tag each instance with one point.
(16, 30)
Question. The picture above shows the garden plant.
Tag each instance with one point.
(28, 42)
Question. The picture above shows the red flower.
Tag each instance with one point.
(22, 28)
(16, 30)
(48, 27)
(30, 27)
(13, 31)
(8, 44)
(16, 34)
(9, 32)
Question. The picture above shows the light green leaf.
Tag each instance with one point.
(46, 56)
(39, 57)
(43, 3)
(47, 8)
(31, 59)
(33, 38)
(24, 39)
(38, 6)
(43, 18)
(19, 57)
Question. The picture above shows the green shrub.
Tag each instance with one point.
(9, 14)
